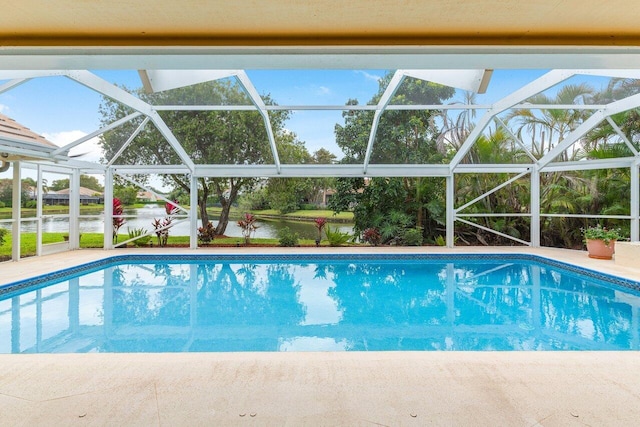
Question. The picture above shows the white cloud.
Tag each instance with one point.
(323, 90)
(4, 108)
(369, 76)
(88, 151)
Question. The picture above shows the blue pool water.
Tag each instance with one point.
(320, 303)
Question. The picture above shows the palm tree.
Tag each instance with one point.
(548, 127)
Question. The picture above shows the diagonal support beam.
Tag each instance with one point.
(100, 131)
(595, 119)
(516, 139)
(621, 134)
(99, 85)
(148, 189)
(493, 190)
(544, 82)
(262, 108)
(128, 142)
(11, 84)
(391, 89)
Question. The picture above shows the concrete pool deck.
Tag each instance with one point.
(376, 388)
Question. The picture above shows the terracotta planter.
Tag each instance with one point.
(597, 249)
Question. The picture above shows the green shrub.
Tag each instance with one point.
(31, 204)
(287, 238)
(440, 240)
(335, 237)
(2, 205)
(2, 233)
(140, 241)
(412, 236)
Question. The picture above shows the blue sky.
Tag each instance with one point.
(62, 110)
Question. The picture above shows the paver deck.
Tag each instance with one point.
(374, 388)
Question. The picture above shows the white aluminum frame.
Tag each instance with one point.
(470, 74)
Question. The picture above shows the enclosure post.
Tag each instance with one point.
(16, 201)
(39, 213)
(74, 210)
(108, 209)
(450, 210)
(635, 208)
(534, 228)
(193, 213)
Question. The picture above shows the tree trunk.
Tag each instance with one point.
(234, 186)
(202, 203)
(224, 217)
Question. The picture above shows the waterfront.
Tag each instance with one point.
(143, 218)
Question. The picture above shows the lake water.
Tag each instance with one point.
(144, 218)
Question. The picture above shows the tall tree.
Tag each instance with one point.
(86, 181)
(403, 136)
(209, 137)
(287, 194)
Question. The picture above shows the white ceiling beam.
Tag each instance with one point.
(470, 80)
(493, 168)
(12, 74)
(319, 57)
(593, 164)
(366, 107)
(161, 80)
(319, 171)
(151, 169)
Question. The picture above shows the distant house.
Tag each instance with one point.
(146, 197)
(87, 197)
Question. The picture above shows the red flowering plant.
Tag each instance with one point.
(118, 221)
(319, 223)
(371, 236)
(206, 234)
(248, 226)
(162, 226)
(171, 207)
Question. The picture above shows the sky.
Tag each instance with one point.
(62, 110)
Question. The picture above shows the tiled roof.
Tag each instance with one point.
(12, 129)
(83, 192)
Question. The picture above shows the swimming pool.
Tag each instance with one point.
(218, 303)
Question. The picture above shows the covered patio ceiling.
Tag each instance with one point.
(320, 23)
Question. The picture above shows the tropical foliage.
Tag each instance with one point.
(493, 201)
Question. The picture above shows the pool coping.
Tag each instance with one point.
(306, 256)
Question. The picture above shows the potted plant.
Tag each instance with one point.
(601, 241)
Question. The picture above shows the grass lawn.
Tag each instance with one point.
(309, 214)
(95, 240)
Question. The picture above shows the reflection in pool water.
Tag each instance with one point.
(322, 305)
